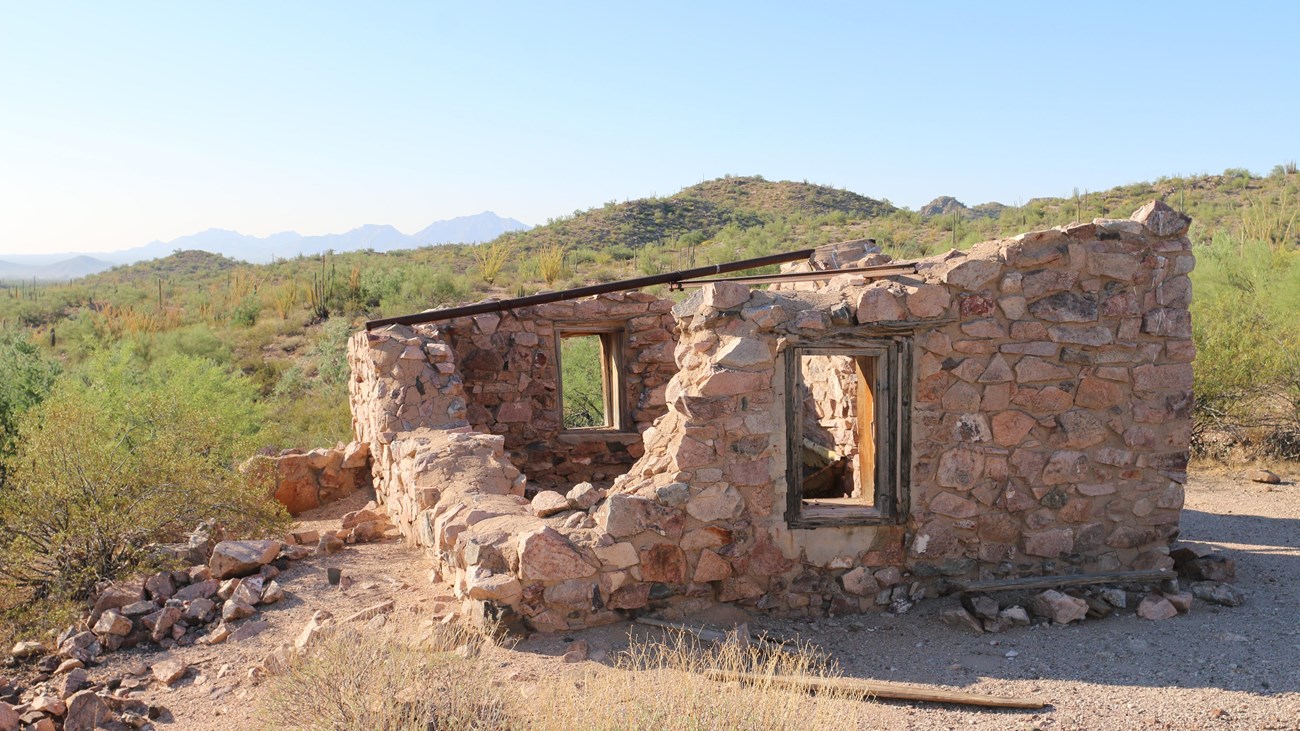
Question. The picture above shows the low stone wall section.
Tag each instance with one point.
(309, 479)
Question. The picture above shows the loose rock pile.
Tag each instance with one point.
(1208, 578)
(209, 603)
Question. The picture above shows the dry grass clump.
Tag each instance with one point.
(662, 685)
(399, 678)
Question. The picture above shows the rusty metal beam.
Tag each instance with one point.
(872, 272)
(580, 292)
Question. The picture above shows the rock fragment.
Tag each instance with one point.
(1057, 607)
(548, 502)
(1267, 477)
(1216, 592)
(241, 558)
(960, 618)
(168, 670)
(1156, 607)
(1015, 616)
(27, 649)
(86, 711)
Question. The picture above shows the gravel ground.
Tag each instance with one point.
(1214, 668)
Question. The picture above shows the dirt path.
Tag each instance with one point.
(1212, 669)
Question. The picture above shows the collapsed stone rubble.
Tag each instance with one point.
(309, 479)
(1208, 576)
(215, 600)
(1041, 412)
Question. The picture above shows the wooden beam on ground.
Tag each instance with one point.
(1052, 582)
(704, 633)
(879, 689)
(712, 634)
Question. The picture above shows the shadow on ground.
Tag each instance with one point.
(1252, 649)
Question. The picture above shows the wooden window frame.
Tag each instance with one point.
(892, 392)
(613, 359)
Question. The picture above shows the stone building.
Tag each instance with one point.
(1021, 408)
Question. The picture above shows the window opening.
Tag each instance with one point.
(847, 434)
(591, 379)
(838, 433)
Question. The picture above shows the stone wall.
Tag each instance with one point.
(1050, 386)
(310, 479)
(508, 363)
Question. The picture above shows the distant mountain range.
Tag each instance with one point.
(463, 230)
(62, 268)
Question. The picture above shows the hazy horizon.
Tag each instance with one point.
(148, 122)
(109, 249)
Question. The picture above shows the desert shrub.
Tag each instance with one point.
(331, 350)
(492, 258)
(1246, 325)
(198, 341)
(21, 618)
(307, 414)
(651, 261)
(396, 679)
(284, 298)
(588, 255)
(620, 252)
(406, 289)
(122, 455)
(244, 314)
(28, 377)
(293, 382)
(550, 263)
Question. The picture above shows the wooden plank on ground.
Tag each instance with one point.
(881, 689)
(713, 634)
(1052, 582)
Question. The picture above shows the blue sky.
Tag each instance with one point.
(121, 123)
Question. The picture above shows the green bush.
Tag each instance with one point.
(198, 341)
(293, 382)
(1246, 325)
(331, 350)
(27, 378)
(317, 414)
(246, 312)
(121, 455)
(583, 384)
